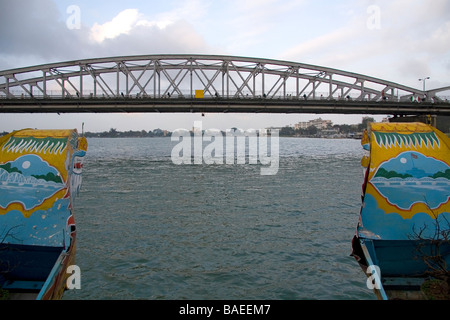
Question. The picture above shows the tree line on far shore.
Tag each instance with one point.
(286, 131)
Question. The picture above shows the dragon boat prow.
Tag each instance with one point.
(402, 238)
(40, 174)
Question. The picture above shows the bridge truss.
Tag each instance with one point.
(206, 83)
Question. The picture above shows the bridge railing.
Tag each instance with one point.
(89, 94)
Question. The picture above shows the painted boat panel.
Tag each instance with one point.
(40, 174)
(405, 199)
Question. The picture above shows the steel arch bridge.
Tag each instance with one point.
(207, 83)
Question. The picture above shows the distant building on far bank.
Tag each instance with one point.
(318, 123)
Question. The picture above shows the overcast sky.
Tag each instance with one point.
(396, 40)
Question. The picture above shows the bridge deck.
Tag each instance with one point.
(219, 105)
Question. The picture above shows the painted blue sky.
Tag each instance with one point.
(32, 165)
(418, 166)
(415, 164)
(398, 40)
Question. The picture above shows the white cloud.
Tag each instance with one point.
(161, 24)
(412, 37)
(129, 19)
(120, 24)
(37, 35)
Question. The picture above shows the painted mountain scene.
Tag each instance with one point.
(28, 180)
(412, 177)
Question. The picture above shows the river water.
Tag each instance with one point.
(150, 229)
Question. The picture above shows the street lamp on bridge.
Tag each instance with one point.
(424, 79)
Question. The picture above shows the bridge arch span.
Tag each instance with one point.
(184, 79)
